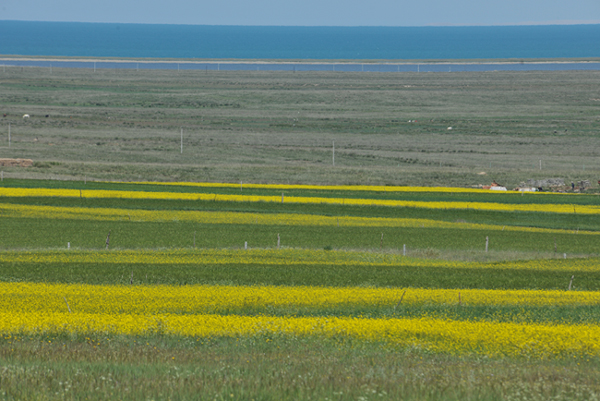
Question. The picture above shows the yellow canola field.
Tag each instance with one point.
(198, 299)
(136, 215)
(366, 188)
(30, 308)
(281, 257)
(489, 206)
(438, 335)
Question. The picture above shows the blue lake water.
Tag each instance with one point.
(297, 44)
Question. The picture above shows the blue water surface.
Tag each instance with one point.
(297, 43)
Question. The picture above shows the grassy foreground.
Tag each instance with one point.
(266, 368)
(261, 368)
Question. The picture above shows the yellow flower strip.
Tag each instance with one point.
(370, 188)
(490, 206)
(199, 299)
(437, 335)
(281, 257)
(113, 214)
(289, 257)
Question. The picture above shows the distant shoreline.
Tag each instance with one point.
(264, 65)
(298, 61)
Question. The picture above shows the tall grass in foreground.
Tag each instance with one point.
(272, 368)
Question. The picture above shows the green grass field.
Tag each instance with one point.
(256, 127)
(279, 127)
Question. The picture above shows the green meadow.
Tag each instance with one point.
(281, 127)
(105, 130)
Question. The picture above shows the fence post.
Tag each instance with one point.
(571, 282)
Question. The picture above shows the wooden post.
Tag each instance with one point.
(131, 279)
(107, 239)
(68, 245)
(282, 197)
(571, 282)
(487, 241)
(278, 241)
(404, 250)
(68, 307)
(246, 245)
(401, 298)
(2, 175)
(333, 154)
(564, 255)
(381, 242)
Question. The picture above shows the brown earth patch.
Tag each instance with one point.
(16, 162)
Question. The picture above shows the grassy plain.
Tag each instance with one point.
(278, 128)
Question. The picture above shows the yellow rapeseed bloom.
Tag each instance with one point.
(282, 257)
(115, 214)
(198, 299)
(489, 206)
(366, 188)
(437, 335)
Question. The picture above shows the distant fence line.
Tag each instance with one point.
(302, 66)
